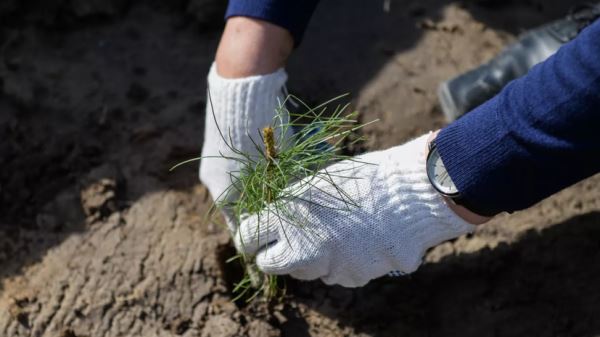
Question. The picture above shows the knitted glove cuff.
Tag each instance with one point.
(244, 105)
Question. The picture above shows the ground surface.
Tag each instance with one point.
(99, 98)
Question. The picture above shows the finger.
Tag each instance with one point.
(256, 232)
(348, 281)
(276, 259)
(311, 272)
(230, 220)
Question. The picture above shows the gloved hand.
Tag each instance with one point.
(397, 217)
(242, 107)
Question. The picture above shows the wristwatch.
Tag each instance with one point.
(440, 180)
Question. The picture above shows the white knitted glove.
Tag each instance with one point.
(242, 107)
(397, 218)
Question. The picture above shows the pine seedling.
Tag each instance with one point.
(292, 154)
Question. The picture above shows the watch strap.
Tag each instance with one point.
(468, 204)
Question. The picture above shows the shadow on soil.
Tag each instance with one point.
(545, 284)
(350, 41)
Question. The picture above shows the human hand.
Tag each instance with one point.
(360, 223)
(240, 109)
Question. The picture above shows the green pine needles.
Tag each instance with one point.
(290, 157)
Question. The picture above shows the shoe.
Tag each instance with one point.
(465, 92)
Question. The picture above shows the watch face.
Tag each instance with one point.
(438, 175)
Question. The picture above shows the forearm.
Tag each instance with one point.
(251, 47)
(293, 16)
(538, 136)
(260, 35)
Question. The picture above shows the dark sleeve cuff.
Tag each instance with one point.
(291, 15)
(474, 150)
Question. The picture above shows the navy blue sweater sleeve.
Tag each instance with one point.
(291, 15)
(538, 136)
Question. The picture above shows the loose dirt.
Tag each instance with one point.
(99, 98)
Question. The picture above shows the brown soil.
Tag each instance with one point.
(99, 98)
